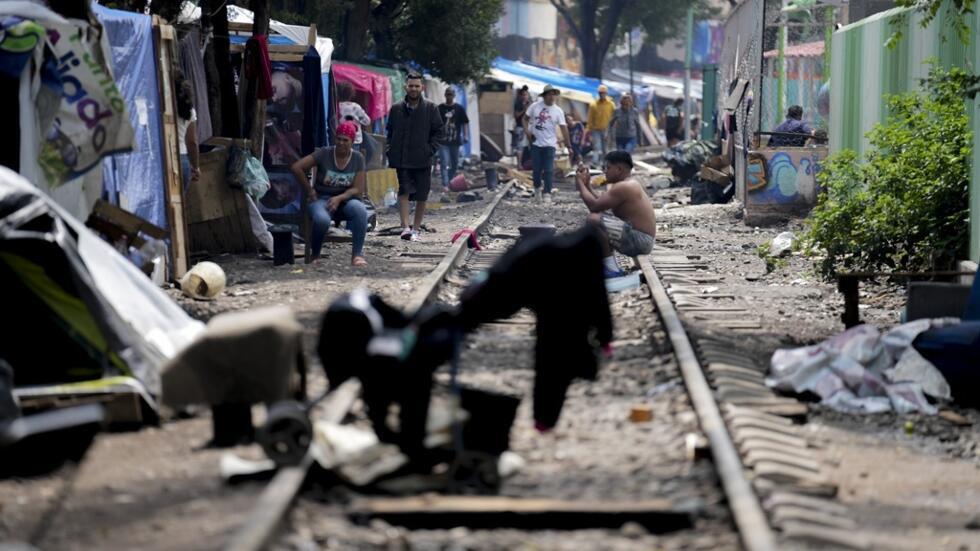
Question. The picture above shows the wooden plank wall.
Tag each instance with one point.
(165, 45)
(218, 215)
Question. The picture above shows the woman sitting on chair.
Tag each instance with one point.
(336, 194)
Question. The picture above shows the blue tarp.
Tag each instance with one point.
(556, 77)
(138, 175)
(273, 39)
(567, 80)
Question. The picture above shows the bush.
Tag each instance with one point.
(905, 206)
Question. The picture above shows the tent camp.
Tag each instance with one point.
(665, 87)
(374, 86)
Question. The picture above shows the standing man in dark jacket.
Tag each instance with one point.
(414, 131)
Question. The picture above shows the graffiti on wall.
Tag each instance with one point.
(784, 176)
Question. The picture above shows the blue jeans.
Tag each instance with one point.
(185, 169)
(448, 162)
(352, 210)
(598, 146)
(543, 166)
(626, 144)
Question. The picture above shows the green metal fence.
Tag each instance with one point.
(863, 71)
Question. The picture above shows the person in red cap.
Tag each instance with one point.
(340, 182)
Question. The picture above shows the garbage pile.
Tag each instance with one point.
(85, 325)
(698, 164)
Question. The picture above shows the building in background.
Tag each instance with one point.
(534, 31)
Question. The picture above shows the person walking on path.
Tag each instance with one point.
(576, 130)
(521, 102)
(336, 194)
(453, 136)
(597, 124)
(414, 131)
(674, 122)
(542, 121)
(625, 124)
(630, 228)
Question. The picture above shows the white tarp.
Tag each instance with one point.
(863, 370)
(537, 86)
(297, 33)
(151, 314)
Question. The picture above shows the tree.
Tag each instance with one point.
(451, 39)
(905, 205)
(598, 24)
(929, 9)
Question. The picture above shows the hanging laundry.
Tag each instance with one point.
(258, 68)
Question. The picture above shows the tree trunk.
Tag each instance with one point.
(230, 126)
(593, 42)
(356, 21)
(260, 23)
(383, 31)
(591, 60)
(211, 74)
(254, 123)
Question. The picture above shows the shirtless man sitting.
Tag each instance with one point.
(630, 228)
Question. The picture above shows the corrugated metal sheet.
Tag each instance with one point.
(863, 71)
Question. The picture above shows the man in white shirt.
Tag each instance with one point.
(541, 122)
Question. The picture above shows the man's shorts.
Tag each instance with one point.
(624, 238)
(415, 182)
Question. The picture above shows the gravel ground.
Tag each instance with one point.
(595, 452)
(911, 481)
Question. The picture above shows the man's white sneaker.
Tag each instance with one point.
(538, 195)
(415, 236)
(407, 234)
(547, 198)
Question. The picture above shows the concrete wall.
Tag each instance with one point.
(788, 183)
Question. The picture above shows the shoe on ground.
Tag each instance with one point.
(415, 236)
(407, 234)
(547, 198)
(538, 194)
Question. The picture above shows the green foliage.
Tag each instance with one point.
(772, 262)
(958, 10)
(905, 206)
(451, 39)
(663, 19)
(326, 14)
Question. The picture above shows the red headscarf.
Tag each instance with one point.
(348, 129)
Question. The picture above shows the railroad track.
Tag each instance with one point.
(754, 449)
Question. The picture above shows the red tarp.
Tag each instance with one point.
(375, 85)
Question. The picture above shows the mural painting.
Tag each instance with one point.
(784, 176)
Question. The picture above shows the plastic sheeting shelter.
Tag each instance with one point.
(85, 311)
(281, 33)
(135, 180)
(573, 87)
(396, 77)
(376, 85)
(663, 86)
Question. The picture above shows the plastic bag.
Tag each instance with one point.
(246, 172)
